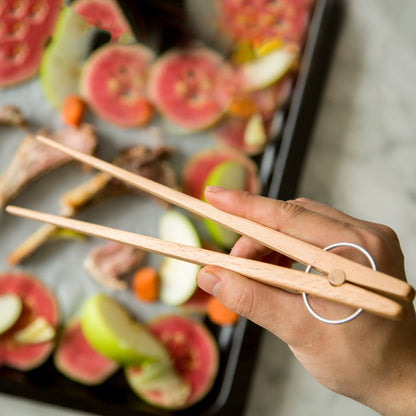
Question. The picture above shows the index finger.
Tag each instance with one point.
(291, 219)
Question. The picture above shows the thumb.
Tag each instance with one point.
(281, 312)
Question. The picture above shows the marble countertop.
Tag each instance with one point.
(361, 160)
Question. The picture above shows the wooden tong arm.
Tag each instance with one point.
(268, 274)
(291, 247)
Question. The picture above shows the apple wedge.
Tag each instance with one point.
(255, 131)
(231, 175)
(267, 69)
(177, 277)
(39, 330)
(63, 59)
(10, 310)
(112, 331)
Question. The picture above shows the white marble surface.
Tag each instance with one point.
(362, 161)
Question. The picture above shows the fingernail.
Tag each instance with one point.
(212, 188)
(208, 281)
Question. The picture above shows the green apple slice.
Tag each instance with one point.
(63, 58)
(111, 330)
(267, 69)
(255, 133)
(163, 378)
(39, 330)
(231, 175)
(10, 310)
(177, 277)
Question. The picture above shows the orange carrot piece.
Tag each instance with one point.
(220, 314)
(242, 106)
(73, 110)
(146, 112)
(146, 284)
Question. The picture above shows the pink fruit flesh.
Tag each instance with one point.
(114, 83)
(37, 301)
(262, 20)
(270, 99)
(25, 27)
(187, 87)
(197, 171)
(75, 358)
(200, 166)
(194, 351)
(104, 14)
(230, 132)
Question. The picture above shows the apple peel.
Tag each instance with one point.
(111, 330)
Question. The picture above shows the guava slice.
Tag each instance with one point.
(62, 61)
(38, 301)
(261, 20)
(78, 360)
(161, 379)
(199, 167)
(195, 353)
(24, 31)
(232, 132)
(188, 87)
(104, 14)
(177, 277)
(111, 330)
(225, 167)
(10, 310)
(113, 83)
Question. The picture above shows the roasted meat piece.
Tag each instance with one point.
(152, 163)
(149, 162)
(109, 262)
(11, 115)
(33, 159)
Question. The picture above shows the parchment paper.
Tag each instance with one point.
(59, 262)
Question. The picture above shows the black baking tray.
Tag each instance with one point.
(280, 168)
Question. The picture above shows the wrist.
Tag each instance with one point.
(394, 393)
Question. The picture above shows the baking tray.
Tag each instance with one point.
(280, 168)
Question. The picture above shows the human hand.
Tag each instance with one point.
(371, 359)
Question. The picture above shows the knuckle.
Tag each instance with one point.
(388, 233)
(373, 241)
(299, 201)
(289, 210)
(243, 302)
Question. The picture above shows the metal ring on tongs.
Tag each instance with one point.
(358, 311)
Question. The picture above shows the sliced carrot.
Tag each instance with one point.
(73, 110)
(220, 314)
(242, 106)
(146, 284)
(146, 112)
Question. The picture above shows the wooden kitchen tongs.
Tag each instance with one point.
(359, 286)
